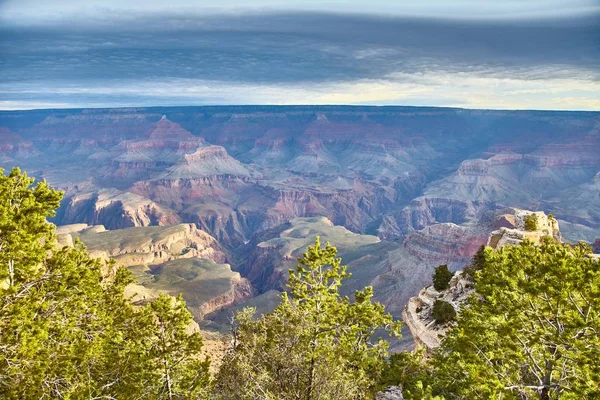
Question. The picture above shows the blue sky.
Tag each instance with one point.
(536, 54)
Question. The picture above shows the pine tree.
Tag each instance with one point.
(25, 236)
(316, 344)
(176, 354)
(66, 329)
(443, 312)
(532, 330)
(441, 277)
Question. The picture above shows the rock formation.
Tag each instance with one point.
(360, 167)
(179, 259)
(417, 314)
(427, 182)
(510, 231)
(391, 393)
(114, 209)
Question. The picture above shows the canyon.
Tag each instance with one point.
(218, 202)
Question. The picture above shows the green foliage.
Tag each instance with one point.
(530, 332)
(66, 329)
(316, 344)
(174, 354)
(531, 222)
(443, 312)
(25, 236)
(441, 277)
(421, 392)
(477, 262)
(408, 371)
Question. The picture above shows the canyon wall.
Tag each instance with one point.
(425, 183)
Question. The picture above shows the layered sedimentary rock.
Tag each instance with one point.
(427, 182)
(269, 260)
(206, 161)
(146, 245)
(206, 286)
(179, 259)
(444, 242)
(114, 209)
(513, 230)
(360, 167)
(395, 270)
(13, 146)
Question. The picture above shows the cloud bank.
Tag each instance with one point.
(158, 57)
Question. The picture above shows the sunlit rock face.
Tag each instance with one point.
(177, 259)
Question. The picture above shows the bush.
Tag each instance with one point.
(477, 263)
(443, 312)
(531, 222)
(503, 337)
(441, 277)
(406, 370)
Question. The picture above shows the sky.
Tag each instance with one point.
(525, 54)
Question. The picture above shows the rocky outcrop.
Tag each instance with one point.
(170, 131)
(145, 245)
(391, 393)
(114, 209)
(178, 259)
(207, 161)
(206, 286)
(425, 211)
(512, 229)
(444, 243)
(240, 290)
(417, 314)
(596, 246)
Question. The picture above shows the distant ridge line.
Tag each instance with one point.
(287, 108)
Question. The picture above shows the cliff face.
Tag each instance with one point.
(510, 231)
(241, 170)
(114, 209)
(512, 228)
(396, 270)
(425, 182)
(417, 314)
(179, 259)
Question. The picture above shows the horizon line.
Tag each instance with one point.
(4, 111)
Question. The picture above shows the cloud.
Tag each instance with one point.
(443, 89)
(303, 58)
(45, 11)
